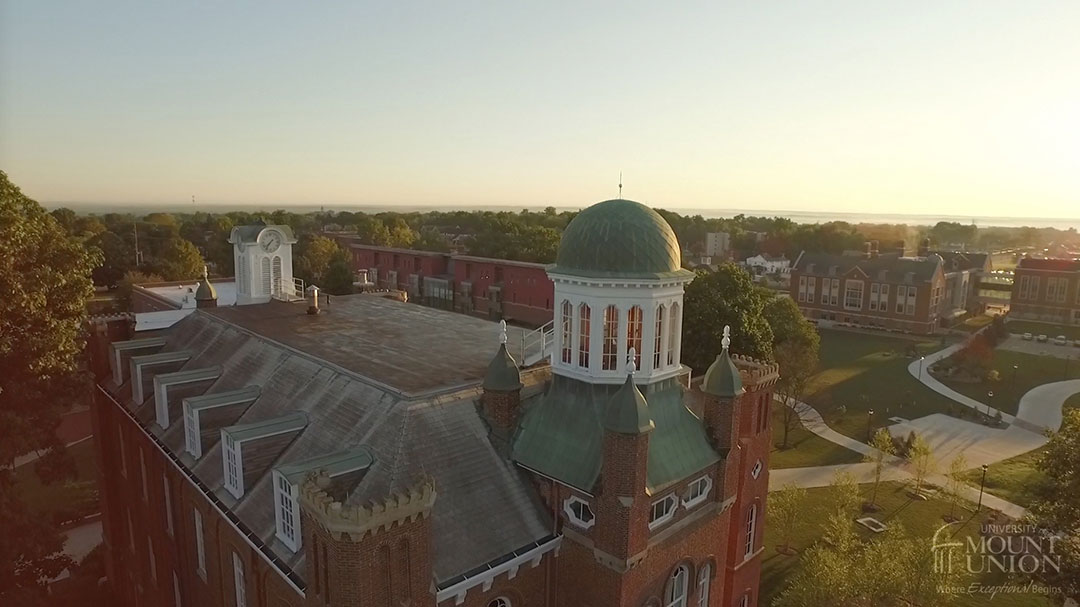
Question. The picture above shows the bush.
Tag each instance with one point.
(993, 375)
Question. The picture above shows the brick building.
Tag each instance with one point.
(1047, 290)
(377, 453)
(494, 288)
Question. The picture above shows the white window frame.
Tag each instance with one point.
(875, 294)
(287, 512)
(704, 581)
(673, 329)
(678, 590)
(142, 472)
(802, 289)
(232, 464)
(834, 292)
(901, 298)
(566, 335)
(751, 529)
(239, 588)
(200, 544)
(850, 287)
(811, 286)
(672, 503)
(168, 505)
(572, 516)
(192, 440)
(756, 470)
(883, 302)
(658, 341)
(702, 487)
(912, 294)
(584, 329)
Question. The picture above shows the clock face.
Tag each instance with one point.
(270, 241)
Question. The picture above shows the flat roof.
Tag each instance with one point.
(183, 293)
(407, 348)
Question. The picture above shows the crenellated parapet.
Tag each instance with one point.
(357, 520)
(756, 374)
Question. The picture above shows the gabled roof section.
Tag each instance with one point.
(895, 268)
(246, 395)
(627, 411)
(250, 233)
(291, 422)
(336, 463)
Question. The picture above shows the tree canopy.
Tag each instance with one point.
(725, 297)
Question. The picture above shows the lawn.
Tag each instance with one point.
(1032, 370)
(974, 323)
(805, 448)
(1051, 330)
(865, 372)
(62, 499)
(919, 518)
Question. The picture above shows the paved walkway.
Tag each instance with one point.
(920, 370)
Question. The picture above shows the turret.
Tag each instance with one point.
(205, 295)
(722, 387)
(502, 388)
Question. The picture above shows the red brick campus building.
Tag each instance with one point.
(374, 452)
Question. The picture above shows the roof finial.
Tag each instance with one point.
(502, 332)
(631, 362)
(620, 185)
(205, 274)
(726, 340)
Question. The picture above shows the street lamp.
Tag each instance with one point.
(982, 485)
(921, 359)
(869, 423)
(990, 397)
(1013, 381)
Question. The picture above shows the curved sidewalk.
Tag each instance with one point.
(920, 370)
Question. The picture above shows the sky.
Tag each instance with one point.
(959, 108)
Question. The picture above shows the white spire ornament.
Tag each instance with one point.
(631, 366)
(726, 340)
(502, 332)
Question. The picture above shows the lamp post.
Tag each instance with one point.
(869, 424)
(1013, 381)
(921, 360)
(982, 485)
(990, 398)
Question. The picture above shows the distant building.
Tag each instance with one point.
(717, 245)
(767, 264)
(371, 453)
(1047, 290)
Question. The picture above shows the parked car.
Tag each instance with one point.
(1061, 341)
(1076, 342)
(1041, 338)
(1027, 337)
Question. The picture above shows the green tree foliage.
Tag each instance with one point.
(313, 256)
(125, 284)
(715, 299)
(432, 239)
(883, 449)
(1058, 506)
(45, 279)
(844, 494)
(178, 260)
(954, 484)
(338, 279)
(504, 238)
(117, 258)
(796, 345)
(786, 509)
(922, 461)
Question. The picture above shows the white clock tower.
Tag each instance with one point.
(262, 255)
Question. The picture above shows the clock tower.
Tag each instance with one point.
(262, 256)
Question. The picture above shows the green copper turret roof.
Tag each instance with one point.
(502, 372)
(206, 291)
(723, 379)
(627, 411)
(619, 239)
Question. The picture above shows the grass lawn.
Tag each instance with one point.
(804, 447)
(919, 518)
(58, 497)
(1032, 370)
(974, 323)
(1050, 330)
(864, 372)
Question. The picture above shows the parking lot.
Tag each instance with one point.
(1048, 348)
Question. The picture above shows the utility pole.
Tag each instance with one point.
(136, 226)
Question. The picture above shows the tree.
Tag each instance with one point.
(798, 361)
(922, 460)
(45, 279)
(789, 325)
(178, 260)
(338, 279)
(715, 299)
(954, 487)
(432, 240)
(124, 287)
(117, 258)
(844, 494)
(882, 449)
(314, 255)
(786, 507)
(1058, 507)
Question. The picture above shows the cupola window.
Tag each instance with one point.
(658, 342)
(578, 512)
(567, 335)
(611, 339)
(633, 334)
(673, 329)
(584, 316)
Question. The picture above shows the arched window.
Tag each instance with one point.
(658, 342)
(245, 276)
(633, 334)
(499, 602)
(673, 330)
(677, 585)
(703, 585)
(610, 359)
(264, 288)
(751, 523)
(584, 317)
(567, 331)
(276, 289)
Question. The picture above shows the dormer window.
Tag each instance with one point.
(663, 510)
(756, 471)
(234, 480)
(697, 492)
(191, 432)
(287, 512)
(578, 512)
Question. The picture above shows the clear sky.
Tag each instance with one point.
(962, 108)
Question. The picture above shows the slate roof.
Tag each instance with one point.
(561, 435)
(619, 239)
(963, 260)
(486, 508)
(1059, 265)
(895, 268)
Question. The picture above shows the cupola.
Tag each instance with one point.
(205, 295)
(627, 411)
(502, 372)
(722, 379)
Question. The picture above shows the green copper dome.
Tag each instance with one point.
(722, 379)
(206, 291)
(502, 373)
(627, 411)
(619, 239)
